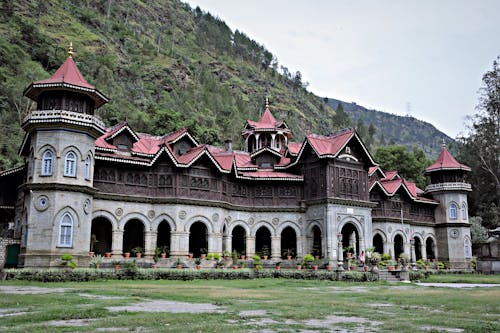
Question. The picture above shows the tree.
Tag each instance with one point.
(481, 151)
(410, 165)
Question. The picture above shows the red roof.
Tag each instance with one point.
(294, 147)
(330, 145)
(67, 76)
(446, 161)
(272, 175)
(391, 175)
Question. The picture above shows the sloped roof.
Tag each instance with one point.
(446, 161)
(330, 145)
(391, 175)
(67, 76)
(294, 147)
(391, 187)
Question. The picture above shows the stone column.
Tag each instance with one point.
(423, 250)
(389, 248)
(340, 258)
(412, 254)
(301, 246)
(215, 242)
(228, 243)
(257, 142)
(250, 246)
(276, 247)
(273, 141)
(117, 244)
(179, 243)
(149, 244)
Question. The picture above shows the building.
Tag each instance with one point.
(84, 182)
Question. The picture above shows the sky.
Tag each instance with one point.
(425, 58)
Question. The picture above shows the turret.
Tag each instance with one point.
(449, 187)
(59, 145)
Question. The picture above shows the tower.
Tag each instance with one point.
(449, 187)
(59, 146)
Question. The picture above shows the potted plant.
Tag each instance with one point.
(107, 254)
(226, 254)
(137, 251)
(348, 251)
(278, 265)
(190, 255)
(164, 251)
(288, 253)
(203, 252)
(404, 259)
(126, 255)
(307, 260)
(257, 262)
(216, 256)
(67, 261)
(265, 252)
(179, 263)
(221, 264)
(96, 261)
(116, 264)
(197, 261)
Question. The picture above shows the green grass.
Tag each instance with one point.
(463, 278)
(289, 305)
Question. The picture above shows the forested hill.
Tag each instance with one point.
(393, 129)
(163, 64)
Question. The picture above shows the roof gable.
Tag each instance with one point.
(446, 161)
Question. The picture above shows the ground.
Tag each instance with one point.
(264, 305)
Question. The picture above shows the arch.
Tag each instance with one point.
(453, 210)
(133, 234)
(350, 220)
(102, 231)
(465, 214)
(87, 168)
(110, 217)
(199, 218)
(238, 234)
(240, 223)
(350, 237)
(263, 241)
(288, 224)
(163, 236)
(74, 149)
(137, 216)
(70, 159)
(260, 224)
(312, 225)
(47, 166)
(430, 248)
(198, 238)
(65, 235)
(288, 242)
(399, 246)
(163, 218)
(378, 242)
(317, 244)
(418, 247)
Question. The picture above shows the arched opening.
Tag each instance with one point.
(263, 242)
(398, 246)
(224, 238)
(265, 140)
(429, 248)
(101, 235)
(163, 237)
(198, 239)
(378, 243)
(317, 249)
(288, 242)
(239, 240)
(251, 144)
(133, 235)
(350, 238)
(418, 248)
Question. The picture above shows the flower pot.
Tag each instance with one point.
(198, 267)
(264, 257)
(154, 266)
(107, 254)
(288, 258)
(163, 255)
(235, 266)
(116, 267)
(126, 254)
(138, 255)
(317, 257)
(190, 256)
(203, 256)
(349, 254)
(351, 268)
(179, 266)
(91, 254)
(366, 268)
(299, 267)
(278, 268)
(390, 268)
(315, 267)
(242, 257)
(328, 268)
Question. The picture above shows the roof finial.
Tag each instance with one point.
(443, 144)
(267, 103)
(70, 49)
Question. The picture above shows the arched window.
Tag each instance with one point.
(464, 211)
(70, 164)
(47, 163)
(453, 211)
(66, 231)
(88, 160)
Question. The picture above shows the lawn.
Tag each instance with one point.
(262, 305)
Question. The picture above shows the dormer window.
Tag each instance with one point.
(123, 143)
(348, 150)
(183, 147)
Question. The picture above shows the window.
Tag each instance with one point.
(66, 231)
(70, 164)
(87, 167)
(453, 211)
(464, 211)
(47, 163)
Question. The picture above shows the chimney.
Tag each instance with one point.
(228, 145)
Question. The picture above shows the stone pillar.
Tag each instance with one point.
(250, 246)
(301, 246)
(412, 254)
(257, 142)
(117, 244)
(215, 242)
(340, 258)
(389, 248)
(228, 243)
(149, 244)
(276, 247)
(423, 250)
(273, 141)
(352, 242)
(179, 243)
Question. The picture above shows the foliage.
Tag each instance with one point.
(163, 64)
(410, 165)
(478, 233)
(481, 151)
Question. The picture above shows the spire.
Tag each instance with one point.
(70, 50)
(267, 103)
(443, 144)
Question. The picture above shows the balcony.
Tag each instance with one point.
(448, 187)
(63, 116)
(395, 214)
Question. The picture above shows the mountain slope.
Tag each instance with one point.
(402, 130)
